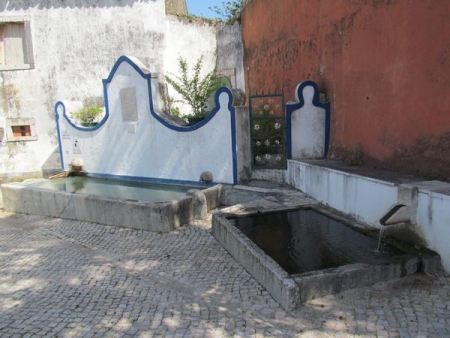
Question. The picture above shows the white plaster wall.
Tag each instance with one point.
(242, 143)
(369, 199)
(75, 45)
(433, 216)
(308, 128)
(147, 148)
(230, 51)
(364, 198)
(189, 40)
(219, 43)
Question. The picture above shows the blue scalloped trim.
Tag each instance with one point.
(147, 77)
(293, 106)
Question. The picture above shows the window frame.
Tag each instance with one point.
(28, 45)
(28, 123)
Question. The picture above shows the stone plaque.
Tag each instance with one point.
(129, 104)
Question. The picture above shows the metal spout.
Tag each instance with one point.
(397, 213)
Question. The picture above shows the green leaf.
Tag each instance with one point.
(194, 90)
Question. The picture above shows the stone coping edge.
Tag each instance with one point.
(158, 217)
(291, 291)
(262, 267)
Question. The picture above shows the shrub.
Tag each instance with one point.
(230, 10)
(87, 115)
(194, 89)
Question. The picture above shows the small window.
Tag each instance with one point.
(15, 44)
(21, 129)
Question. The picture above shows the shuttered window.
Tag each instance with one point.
(15, 46)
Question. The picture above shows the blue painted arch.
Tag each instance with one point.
(60, 110)
(146, 75)
(293, 106)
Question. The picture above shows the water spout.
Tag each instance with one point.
(396, 214)
(76, 169)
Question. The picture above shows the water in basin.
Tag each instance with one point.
(306, 240)
(130, 190)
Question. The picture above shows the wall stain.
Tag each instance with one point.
(437, 75)
(384, 67)
(10, 100)
(352, 155)
(378, 3)
(427, 157)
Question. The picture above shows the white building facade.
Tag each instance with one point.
(61, 50)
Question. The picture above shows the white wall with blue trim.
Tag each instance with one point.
(145, 146)
(75, 44)
(307, 123)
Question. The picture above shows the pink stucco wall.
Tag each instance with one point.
(383, 64)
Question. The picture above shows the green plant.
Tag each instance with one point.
(175, 111)
(196, 18)
(87, 115)
(194, 89)
(230, 10)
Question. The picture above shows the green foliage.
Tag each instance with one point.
(195, 18)
(230, 10)
(87, 114)
(175, 111)
(194, 89)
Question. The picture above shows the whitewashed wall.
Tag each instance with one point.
(433, 216)
(368, 199)
(307, 123)
(230, 53)
(75, 44)
(364, 198)
(147, 147)
(189, 41)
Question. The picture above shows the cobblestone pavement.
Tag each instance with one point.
(61, 278)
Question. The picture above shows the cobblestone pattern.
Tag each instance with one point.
(61, 278)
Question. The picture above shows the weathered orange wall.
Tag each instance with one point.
(383, 64)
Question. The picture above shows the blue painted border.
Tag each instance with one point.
(76, 126)
(58, 130)
(293, 106)
(147, 77)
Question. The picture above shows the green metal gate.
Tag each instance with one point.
(267, 131)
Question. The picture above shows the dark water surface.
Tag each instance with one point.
(306, 240)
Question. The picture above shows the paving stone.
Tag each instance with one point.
(66, 278)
